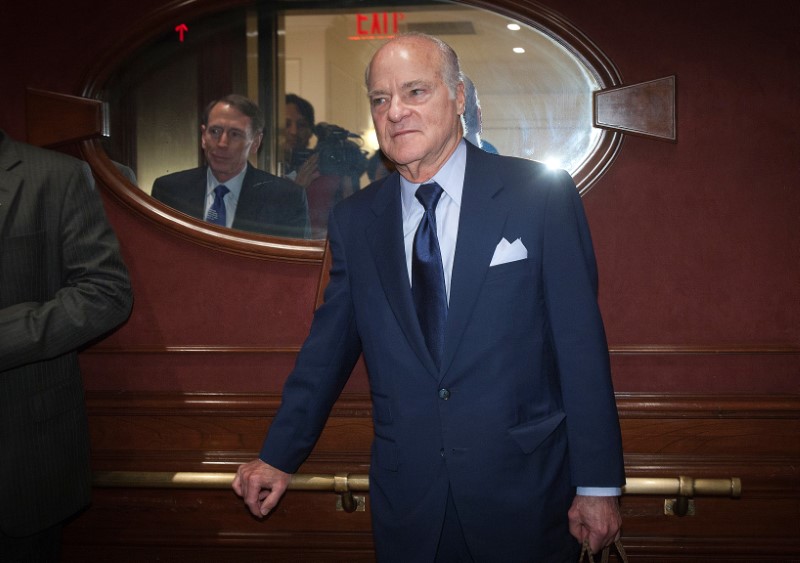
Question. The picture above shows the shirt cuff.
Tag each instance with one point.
(599, 491)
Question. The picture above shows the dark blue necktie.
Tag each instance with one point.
(216, 213)
(427, 274)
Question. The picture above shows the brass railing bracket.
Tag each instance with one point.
(349, 502)
(680, 506)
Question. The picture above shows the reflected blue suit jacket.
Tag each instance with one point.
(530, 410)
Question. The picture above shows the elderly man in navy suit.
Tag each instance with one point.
(468, 281)
(229, 191)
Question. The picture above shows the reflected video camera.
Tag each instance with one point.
(338, 155)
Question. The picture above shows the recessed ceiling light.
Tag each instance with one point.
(514, 26)
(518, 50)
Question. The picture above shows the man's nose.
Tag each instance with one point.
(397, 109)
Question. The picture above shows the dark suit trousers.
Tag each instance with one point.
(453, 545)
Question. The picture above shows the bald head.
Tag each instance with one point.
(449, 64)
(416, 99)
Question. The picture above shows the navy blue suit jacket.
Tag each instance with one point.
(529, 410)
(267, 204)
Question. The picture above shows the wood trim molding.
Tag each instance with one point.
(647, 405)
(646, 109)
(223, 404)
(189, 349)
(54, 119)
(614, 350)
(629, 405)
(708, 350)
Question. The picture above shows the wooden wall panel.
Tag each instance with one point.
(750, 437)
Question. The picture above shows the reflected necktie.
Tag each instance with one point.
(216, 213)
(427, 274)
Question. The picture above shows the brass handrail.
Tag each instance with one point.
(681, 486)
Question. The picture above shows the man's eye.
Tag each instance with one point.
(236, 135)
(215, 131)
(378, 101)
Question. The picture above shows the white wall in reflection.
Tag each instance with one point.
(535, 104)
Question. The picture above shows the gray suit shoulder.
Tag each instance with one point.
(40, 165)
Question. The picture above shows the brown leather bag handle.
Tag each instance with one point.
(586, 553)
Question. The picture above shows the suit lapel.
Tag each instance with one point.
(9, 182)
(480, 228)
(194, 193)
(248, 210)
(385, 236)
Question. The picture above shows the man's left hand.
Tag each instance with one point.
(595, 519)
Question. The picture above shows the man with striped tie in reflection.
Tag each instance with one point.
(229, 191)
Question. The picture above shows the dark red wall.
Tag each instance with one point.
(698, 241)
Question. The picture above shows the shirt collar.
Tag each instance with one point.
(450, 177)
(234, 184)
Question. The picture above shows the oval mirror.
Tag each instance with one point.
(533, 73)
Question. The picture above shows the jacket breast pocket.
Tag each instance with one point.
(508, 292)
(501, 272)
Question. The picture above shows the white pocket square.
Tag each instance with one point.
(508, 252)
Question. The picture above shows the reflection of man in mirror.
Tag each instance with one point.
(229, 191)
(469, 282)
(340, 162)
(300, 160)
(330, 171)
(473, 118)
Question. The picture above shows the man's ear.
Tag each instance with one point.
(203, 136)
(256, 144)
(461, 103)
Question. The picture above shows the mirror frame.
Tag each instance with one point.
(244, 243)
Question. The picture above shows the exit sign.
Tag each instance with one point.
(378, 25)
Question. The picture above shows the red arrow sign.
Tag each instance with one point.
(181, 29)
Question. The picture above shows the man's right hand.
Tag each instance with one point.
(260, 485)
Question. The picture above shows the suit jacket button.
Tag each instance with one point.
(444, 394)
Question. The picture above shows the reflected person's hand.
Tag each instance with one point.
(260, 485)
(308, 171)
(595, 519)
